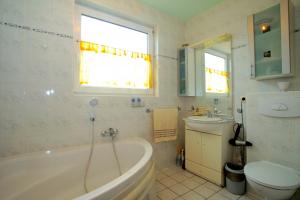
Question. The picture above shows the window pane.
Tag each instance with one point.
(214, 62)
(105, 33)
(114, 70)
(215, 74)
(106, 70)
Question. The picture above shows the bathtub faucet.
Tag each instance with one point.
(110, 132)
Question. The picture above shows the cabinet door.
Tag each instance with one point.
(182, 72)
(212, 151)
(271, 42)
(186, 72)
(193, 146)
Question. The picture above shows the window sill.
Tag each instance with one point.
(100, 91)
(216, 94)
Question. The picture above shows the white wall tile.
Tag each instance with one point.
(230, 16)
(275, 139)
(31, 63)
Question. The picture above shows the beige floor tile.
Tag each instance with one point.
(169, 171)
(217, 197)
(166, 195)
(179, 189)
(212, 186)
(163, 170)
(152, 197)
(168, 181)
(177, 168)
(226, 193)
(188, 174)
(158, 186)
(199, 180)
(246, 197)
(192, 196)
(204, 191)
(179, 177)
(175, 183)
(179, 198)
(160, 176)
(189, 183)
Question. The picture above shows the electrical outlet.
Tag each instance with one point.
(137, 102)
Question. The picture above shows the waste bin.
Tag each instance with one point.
(235, 178)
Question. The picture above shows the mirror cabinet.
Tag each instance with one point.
(270, 34)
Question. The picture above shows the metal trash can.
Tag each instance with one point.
(235, 178)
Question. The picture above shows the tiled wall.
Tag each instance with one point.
(230, 16)
(32, 63)
(275, 139)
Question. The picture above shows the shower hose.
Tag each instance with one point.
(91, 155)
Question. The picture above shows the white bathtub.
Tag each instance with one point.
(59, 174)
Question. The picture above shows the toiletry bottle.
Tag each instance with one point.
(183, 159)
(178, 160)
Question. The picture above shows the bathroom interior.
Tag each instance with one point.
(149, 99)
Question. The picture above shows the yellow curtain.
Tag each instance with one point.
(134, 69)
(216, 81)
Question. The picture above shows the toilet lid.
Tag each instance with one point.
(272, 175)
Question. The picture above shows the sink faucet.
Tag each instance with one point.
(216, 102)
(216, 110)
(110, 132)
(209, 114)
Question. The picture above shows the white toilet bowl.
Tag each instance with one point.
(271, 180)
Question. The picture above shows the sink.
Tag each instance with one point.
(215, 125)
(204, 119)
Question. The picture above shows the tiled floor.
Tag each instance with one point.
(175, 183)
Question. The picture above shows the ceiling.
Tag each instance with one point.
(182, 9)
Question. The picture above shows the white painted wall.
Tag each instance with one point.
(31, 63)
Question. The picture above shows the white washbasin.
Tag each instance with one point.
(214, 125)
(205, 119)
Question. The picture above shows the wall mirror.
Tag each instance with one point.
(213, 72)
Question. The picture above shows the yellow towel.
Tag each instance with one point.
(165, 124)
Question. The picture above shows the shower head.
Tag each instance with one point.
(93, 102)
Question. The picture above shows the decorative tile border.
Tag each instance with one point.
(37, 30)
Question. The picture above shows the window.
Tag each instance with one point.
(216, 74)
(115, 54)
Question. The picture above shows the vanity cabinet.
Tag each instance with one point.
(186, 72)
(207, 153)
(271, 34)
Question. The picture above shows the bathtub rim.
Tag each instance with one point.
(137, 168)
(133, 174)
(143, 186)
(65, 149)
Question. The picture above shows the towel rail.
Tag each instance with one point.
(149, 110)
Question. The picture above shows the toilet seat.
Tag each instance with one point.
(272, 175)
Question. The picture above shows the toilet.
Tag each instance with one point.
(271, 180)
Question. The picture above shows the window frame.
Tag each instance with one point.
(118, 20)
(221, 55)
